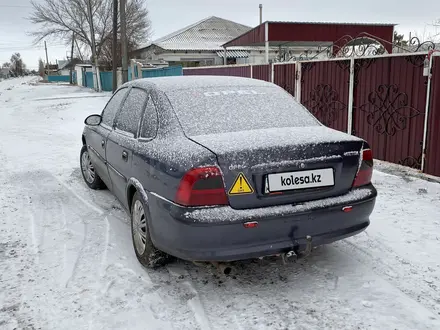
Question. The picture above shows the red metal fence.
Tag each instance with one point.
(387, 105)
(285, 77)
(237, 71)
(432, 159)
(262, 72)
(324, 91)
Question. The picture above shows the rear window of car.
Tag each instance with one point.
(228, 109)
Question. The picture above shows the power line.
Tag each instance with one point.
(30, 47)
(14, 6)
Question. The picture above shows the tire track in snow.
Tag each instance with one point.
(398, 271)
(91, 206)
(226, 302)
(34, 238)
(102, 271)
(194, 301)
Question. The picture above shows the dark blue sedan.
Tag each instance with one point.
(225, 168)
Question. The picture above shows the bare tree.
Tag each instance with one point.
(40, 67)
(57, 19)
(399, 39)
(17, 65)
(6, 65)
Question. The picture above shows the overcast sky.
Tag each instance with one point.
(168, 16)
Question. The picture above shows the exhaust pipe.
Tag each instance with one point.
(224, 268)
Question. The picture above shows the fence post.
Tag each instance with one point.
(298, 82)
(252, 73)
(272, 72)
(425, 128)
(350, 98)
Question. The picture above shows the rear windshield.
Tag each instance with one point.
(229, 109)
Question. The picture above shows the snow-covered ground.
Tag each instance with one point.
(67, 262)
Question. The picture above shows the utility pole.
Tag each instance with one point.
(79, 50)
(47, 59)
(71, 58)
(124, 42)
(114, 45)
(97, 80)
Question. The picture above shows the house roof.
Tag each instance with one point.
(208, 34)
(303, 33)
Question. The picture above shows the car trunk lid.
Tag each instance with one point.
(268, 167)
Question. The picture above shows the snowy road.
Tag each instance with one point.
(67, 262)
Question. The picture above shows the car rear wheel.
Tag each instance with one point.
(147, 254)
(91, 178)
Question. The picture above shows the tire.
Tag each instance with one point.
(91, 178)
(148, 255)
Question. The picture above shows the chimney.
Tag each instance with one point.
(261, 14)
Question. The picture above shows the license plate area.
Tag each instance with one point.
(299, 180)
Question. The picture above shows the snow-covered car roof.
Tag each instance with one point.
(188, 82)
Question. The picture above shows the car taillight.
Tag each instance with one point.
(202, 187)
(365, 172)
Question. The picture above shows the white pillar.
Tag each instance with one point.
(272, 73)
(225, 57)
(298, 82)
(428, 100)
(266, 41)
(350, 98)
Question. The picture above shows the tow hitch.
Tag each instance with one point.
(292, 256)
(308, 249)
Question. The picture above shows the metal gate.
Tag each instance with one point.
(389, 106)
(432, 160)
(285, 76)
(325, 91)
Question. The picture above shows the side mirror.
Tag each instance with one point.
(93, 120)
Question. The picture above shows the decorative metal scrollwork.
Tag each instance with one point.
(306, 67)
(412, 162)
(289, 89)
(359, 64)
(416, 60)
(359, 47)
(344, 65)
(388, 110)
(324, 104)
(421, 46)
(362, 45)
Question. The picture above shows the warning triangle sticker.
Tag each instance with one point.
(241, 186)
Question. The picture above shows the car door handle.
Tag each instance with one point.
(125, 155)
(102, 143)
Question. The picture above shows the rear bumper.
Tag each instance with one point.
(218, 234)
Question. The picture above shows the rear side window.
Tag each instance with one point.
(233, 109)
(149, 124)
(128, 118)
(109, 113)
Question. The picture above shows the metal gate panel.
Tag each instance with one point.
(285, 77)
(324, 91)
(261, 72)
(432, 160)
(389, 106)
